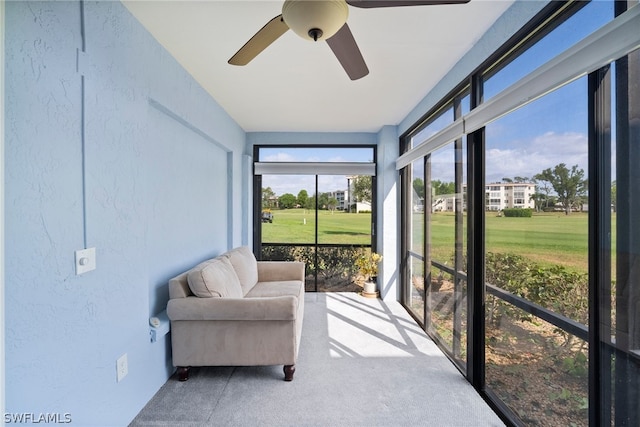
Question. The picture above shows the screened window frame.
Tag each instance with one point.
(313, 169)
(583, 58)
(593, 59)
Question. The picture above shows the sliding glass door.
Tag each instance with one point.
(318, 208)
(415, 238)
(435, 236)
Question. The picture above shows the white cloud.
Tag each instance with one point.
(527, 158)
(279, 157)
(281, 184)
(524, 157)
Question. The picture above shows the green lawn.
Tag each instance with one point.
(298, 226)
(547, 238)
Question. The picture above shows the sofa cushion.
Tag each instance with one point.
(246, 267)
(278, 288)
(215, 278)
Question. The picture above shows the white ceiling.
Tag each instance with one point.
(299, 85)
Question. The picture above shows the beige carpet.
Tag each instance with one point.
(363, 362)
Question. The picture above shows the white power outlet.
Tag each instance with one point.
(122, 367)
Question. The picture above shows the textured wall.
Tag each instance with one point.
(388, 231)
(109, 143)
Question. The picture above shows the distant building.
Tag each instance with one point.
(342, 196)
(498, 196)
(444, 203)
(362, 207)
(350, 204)
(271, 202)
(502, 195)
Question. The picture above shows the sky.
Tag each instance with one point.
(316, 154)
(543, 133)
(292, 184)
(540, 135)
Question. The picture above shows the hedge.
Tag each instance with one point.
(517, 212)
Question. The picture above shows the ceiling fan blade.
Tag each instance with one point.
(346, 49)
(260, 41)
(393, 3)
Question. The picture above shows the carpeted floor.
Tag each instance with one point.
(362, 362)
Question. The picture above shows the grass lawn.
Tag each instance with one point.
(298, 226)
(552, 238)
(547, 238)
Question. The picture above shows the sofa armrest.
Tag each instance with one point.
(271, 271)
(264, 308)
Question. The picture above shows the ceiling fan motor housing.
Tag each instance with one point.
(315, 19)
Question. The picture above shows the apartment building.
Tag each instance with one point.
(498, 196)
(506, 195)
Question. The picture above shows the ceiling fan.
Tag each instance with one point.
(322, 20)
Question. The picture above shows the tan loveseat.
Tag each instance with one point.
(235, 311)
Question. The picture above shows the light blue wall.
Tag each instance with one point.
(142, 164)
(388, 205)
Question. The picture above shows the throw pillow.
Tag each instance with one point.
(246, 267)
(215, 279)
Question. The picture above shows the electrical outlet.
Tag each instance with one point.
(122, 367)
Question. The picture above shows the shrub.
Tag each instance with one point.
(334, 263)
(554, 287)
(518, 212)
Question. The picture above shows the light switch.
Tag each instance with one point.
(85, 260)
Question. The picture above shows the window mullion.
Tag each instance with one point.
(475, 246)
(599, 111)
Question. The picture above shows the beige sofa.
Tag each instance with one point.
(235, 311)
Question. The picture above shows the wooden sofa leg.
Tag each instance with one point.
(288, 372)
(183, 373)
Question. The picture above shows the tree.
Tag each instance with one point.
(267, 195)
(516, 179)
(546, 189)
(538, 199)
(303, 198)
(418, 187)
(362, 188)
(614, 195)
(287, 201)
(569, 184)
(332, 202)
(441, 187)
(323, 200)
